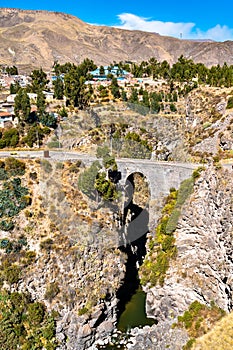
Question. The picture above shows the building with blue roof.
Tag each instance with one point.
(115, 71)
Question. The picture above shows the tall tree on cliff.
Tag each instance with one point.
(22, 106)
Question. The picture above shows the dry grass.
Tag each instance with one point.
(219, 338)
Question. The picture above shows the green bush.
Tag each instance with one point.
(11, 167)
(25, 325)
(54, 144)
(6, 225)
(82, 311)
(86, 181)
(172, 221)
(198, 319)
(11, 273)
(197, 172)
(51, 291)
(10, 138)
(13, 198)
(184, 192)
(230, 102)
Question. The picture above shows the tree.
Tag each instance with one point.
(145, 99)
(14, 88)
(12, 70)
(22, 106)
(102, 71)
(10, 138)
(86, 182)
(48, 120)
(76, 91)
(154, 102)
(124, 95)
(134, 96)
(39, 80)
(58, 86)
(173, 107)
(114, 87)
(40, 103)
(63, 113)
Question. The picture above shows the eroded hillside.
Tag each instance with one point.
(38, 38)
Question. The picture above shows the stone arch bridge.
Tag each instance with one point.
(161, 176)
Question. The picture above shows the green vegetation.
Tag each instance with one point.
(96, 180)
(86, 181)
(13, 198)
(230, 102)
(51, 291)
(9, 138)
(13, 245)
(198, 320)
(25, 324)
(162, 247)
(218, 338)
(105, 187)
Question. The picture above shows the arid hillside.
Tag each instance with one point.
(38, 38)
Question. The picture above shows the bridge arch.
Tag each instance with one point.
(160, 176)
(136, 207)
(137, 187)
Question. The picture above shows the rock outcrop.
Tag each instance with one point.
(203, 268)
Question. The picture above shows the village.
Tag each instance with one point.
(99, 82)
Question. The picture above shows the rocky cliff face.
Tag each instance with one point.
(76, 268)
(203, 268)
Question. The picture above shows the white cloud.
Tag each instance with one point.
(188, 30)
(217, 33)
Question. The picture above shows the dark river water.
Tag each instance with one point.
(134, 314)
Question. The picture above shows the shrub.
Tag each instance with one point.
(15, 166)
(86, 181)
(10, 138)
(47, 244)
(25, 325)
(11, 273)
(54, 144)
(36, 312)
(51, 291)
(199, 318)
(13, 198)
(46, 166)
(230, 102)
(6, 225)
(82, 311)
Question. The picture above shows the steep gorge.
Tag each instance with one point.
(202, 270)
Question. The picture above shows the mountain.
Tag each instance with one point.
(38, 38)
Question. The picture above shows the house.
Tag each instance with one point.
(11, 98)
(6, 119)
(115, 71)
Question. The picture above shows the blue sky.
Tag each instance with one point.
(198, 19)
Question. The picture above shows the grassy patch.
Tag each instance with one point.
(198, 320)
